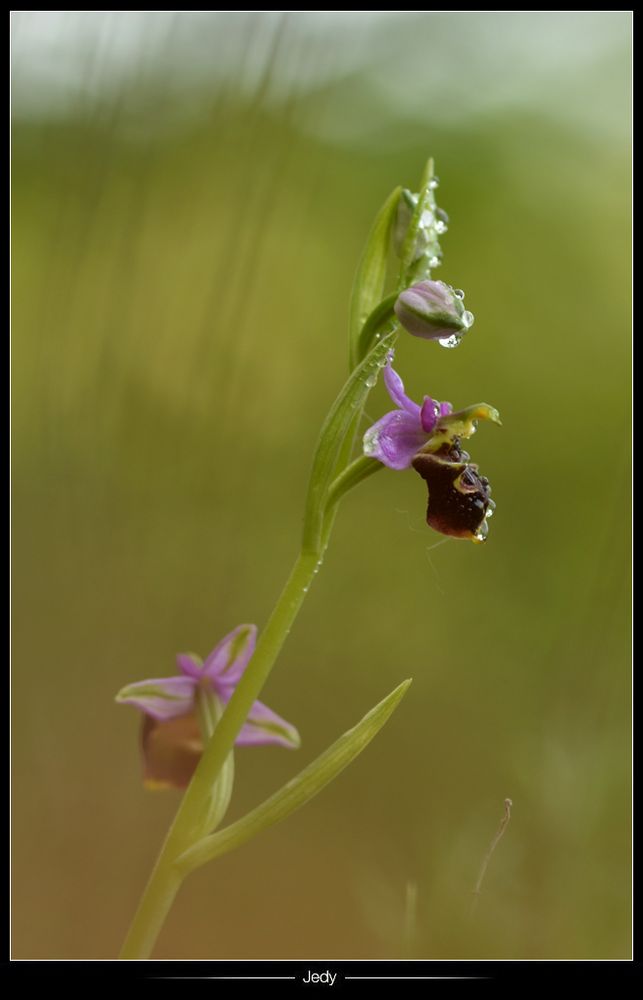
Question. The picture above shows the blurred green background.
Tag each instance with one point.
(191, 193)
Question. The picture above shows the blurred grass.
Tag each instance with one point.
(179, 312)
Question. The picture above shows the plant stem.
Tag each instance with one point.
(156, 903)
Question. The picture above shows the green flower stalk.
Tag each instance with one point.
(192, 721)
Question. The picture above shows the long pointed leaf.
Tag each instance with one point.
(371, 273)
(296, 792)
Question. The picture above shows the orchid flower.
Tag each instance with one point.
(172, 735)
(427, 437)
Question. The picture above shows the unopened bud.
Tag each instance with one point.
(433, 310)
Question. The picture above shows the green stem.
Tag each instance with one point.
(353, 474)
(376, 322)
(156, 903)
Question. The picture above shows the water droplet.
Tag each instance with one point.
(489, 512)
(459, 294)
(371, 380)
(468, 318)
(370, 444)
(434, 183)
(305, 589)
(482, 532)
(451, 341)
(434, 261)
(441, 214)
(441, 227)
(377, 336)
(427, 218)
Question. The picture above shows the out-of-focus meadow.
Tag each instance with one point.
(191, 193)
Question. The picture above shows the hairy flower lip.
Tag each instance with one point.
(459, 498)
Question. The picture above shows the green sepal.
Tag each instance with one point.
(461, 424)
(209, 710)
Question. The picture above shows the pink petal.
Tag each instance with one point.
(165, 698)
(395, 388)
(395, 439)
(429, 414)
(190, 664)
(229, 659)
(264, 726)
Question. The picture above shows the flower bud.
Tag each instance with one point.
(433, 310)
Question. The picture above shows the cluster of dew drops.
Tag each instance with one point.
(440, 225)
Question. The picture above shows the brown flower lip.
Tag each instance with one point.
(459, 498)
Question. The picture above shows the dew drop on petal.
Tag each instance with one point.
(468, 318)
(441, 227)
(482, 532)
(434, 183)
(370, 444)
(459, 294)
(434, 261)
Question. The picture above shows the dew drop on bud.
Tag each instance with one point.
(434, 261)
(441, 227)
(451, 341)
(467, 318)
(434, 183)
(459, 294)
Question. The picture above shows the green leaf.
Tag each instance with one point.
(296, 792)
(339, 423)
(368, 285)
